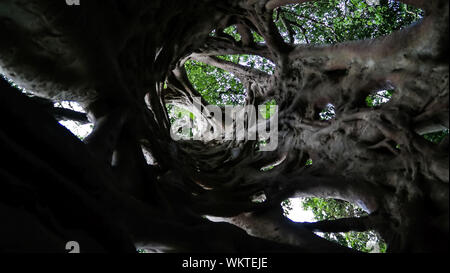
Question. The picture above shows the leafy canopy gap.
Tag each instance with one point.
(379, 98)
(217, 86)
(332, 209)
(330, 22)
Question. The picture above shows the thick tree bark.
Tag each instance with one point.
(114, 59)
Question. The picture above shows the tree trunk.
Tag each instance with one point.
(114, 58)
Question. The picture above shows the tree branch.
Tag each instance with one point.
(240, 71)
(312, 20)
(68, 114)
(216, 46)
(290, 30)
(271, 225)
(380, 56)
(340, 225)
(246, 35)
(269, 31)
(300, 27)
(58, 112)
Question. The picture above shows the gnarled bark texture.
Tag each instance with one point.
(114, 57)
